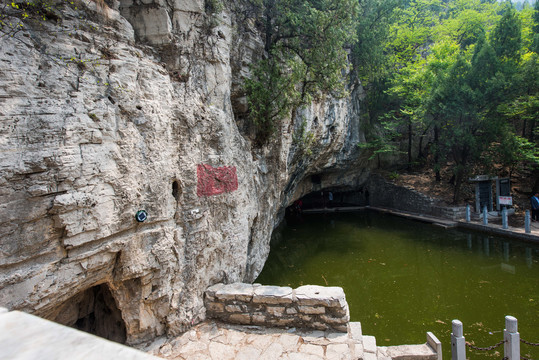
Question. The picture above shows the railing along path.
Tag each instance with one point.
(511, 341)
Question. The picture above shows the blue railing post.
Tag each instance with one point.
(504, 218)
(468, 213)
(485, 215)
(527, 222)
(511, 337)
(458, 343)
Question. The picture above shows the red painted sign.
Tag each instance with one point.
(214, 181)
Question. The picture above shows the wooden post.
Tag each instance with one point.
(485, 215)
(511, 336)
(504, 218)
(468, 213)
(458, 344)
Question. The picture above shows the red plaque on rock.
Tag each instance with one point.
(216, 180)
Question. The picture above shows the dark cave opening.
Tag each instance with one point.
(94, 311)
(328, 198)
(339, 198)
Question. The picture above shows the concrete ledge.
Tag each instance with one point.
(498, 230)
(515, 233)
(307, 307)
(435, 344)
(419, 217)
(408, 352)
(28, 337)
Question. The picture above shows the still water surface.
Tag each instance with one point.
(403, 278)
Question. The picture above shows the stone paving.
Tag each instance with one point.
(214, 340)
(218, 341)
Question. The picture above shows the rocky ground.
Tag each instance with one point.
(423, 180)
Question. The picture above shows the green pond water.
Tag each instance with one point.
(403, 278)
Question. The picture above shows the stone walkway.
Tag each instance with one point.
(219, 341)
(518, 233)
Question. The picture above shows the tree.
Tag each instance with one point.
(368, 53)
(507, 36)
(463, 101)
(535, 40)
(443, 55)
(453, 102)
(305, 57)
(369, 57)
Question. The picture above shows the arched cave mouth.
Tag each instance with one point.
(94, 311)
(342, 197)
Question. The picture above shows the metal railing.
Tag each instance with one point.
(505, 224)
(511, 341)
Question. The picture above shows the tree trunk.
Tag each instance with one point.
(437, 153)
(268, 26)
(535, 188)
(460, 173)
(409, 143)
(458, 183)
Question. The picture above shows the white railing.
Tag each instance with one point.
(511, 341)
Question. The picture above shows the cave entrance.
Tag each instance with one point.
(321, 201)
(339, 198)
(94, 311)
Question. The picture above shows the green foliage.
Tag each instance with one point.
(462, 74)
(378, 146)
(381, 139)
(507, 35)
(306, 57)
(534, 46)
(394, 175)
(14, 14)
(304, 139)
(368, 53)
(213, 6)
(42, 16)
(271, 96)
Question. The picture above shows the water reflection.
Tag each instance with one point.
(403, 278)
(506, 251)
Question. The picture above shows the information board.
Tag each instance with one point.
(506, 200)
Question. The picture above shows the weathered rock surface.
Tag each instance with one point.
(105, 115)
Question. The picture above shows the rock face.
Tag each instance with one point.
(113, 110)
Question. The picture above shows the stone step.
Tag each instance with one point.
(369, 344)
(354, 331)
(406, 352)
(356, 339)
(363, 347)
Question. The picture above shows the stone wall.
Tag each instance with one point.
(382, 193)
(307, 307)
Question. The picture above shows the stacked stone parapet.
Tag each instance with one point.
(307, 307)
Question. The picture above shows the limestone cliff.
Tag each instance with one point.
(110, 110)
